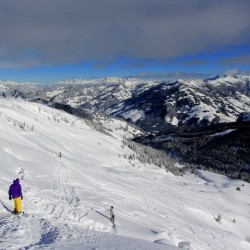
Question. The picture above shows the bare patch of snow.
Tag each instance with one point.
(134, 115)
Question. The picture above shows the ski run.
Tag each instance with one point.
(67, 199)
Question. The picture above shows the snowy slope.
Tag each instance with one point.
(66, 199)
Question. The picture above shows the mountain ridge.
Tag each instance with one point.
(181, 102)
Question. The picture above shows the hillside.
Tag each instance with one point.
(222, 148)
(66, 199)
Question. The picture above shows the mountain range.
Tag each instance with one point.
(152, 105)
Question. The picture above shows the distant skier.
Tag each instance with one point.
(60, 154)
(112, 216)
(15, 192)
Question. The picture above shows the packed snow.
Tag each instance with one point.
(66, 199)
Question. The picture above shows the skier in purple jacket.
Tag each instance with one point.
(15, 193)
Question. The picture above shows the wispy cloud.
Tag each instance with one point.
(194, 62)
(238, 60)
(171, 75)
(237, 72)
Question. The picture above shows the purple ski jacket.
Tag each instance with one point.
(15, 190)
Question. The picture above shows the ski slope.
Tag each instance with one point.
(66, 199)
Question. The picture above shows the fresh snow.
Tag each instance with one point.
(66, 199)
(122, 129)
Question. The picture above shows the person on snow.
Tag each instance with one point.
(111, 211)
(60, 154)
(15, 193)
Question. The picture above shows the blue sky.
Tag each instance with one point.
(48, 41)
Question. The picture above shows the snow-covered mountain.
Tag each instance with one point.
(155, 106)
(190, 102)
(96, 94)
(66, 198)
